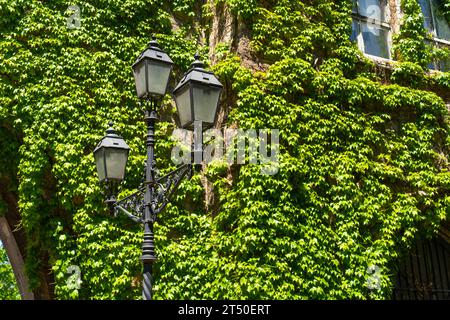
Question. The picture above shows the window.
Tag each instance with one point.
(442, 65)
(434, 20)
(370, 28)
(436, 23)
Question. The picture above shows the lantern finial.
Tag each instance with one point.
(153, 43)
(110, 130)
(197, 62)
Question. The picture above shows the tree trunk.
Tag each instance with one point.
(15, 258)
(14, 240)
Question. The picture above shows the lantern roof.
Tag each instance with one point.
(112, 140)
(198, 74)
(153, 52)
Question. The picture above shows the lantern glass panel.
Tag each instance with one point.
(139, 79)
(158, 77)
(205, 103)
(116, 161)
(183, 101)
(100, 162)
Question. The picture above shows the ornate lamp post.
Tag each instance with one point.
(197, 97)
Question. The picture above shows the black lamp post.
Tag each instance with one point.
(197, 97)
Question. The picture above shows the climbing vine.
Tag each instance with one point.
(363, 165)
(8, 286)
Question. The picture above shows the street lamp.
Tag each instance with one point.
(197, 96)
(151, 73)
(111, 155)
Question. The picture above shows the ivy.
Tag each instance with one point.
(8, 286)
(363, 168)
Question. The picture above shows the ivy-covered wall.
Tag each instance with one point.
(363, 165)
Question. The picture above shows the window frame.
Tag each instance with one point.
(439, 43)
(391, 15)
(434, 31)
(360, 19)
(435, 40)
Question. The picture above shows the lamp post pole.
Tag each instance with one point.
(197, 99)
(148, 246)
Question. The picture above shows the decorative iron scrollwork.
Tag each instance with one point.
(167, 185)
(133, 205)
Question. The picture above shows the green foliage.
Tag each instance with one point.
(408, 74)
(243, 9)
(59, 88)
(358, 178)
(410, 42)
(363, 167)
(446, 8)
(414, 43)
(8, 286)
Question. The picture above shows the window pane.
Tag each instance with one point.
(372, 9)
(158, 76)
(116, 161)
(183, 101)
(139, 77)
(355, 6)
(100, 163)
(432, 66)
(442, 27)
(205, 103)
(427, 18)
(355, 31)
(375, 40)
(444, 66)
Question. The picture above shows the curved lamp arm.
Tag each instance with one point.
(128, 214)
(133, 205)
